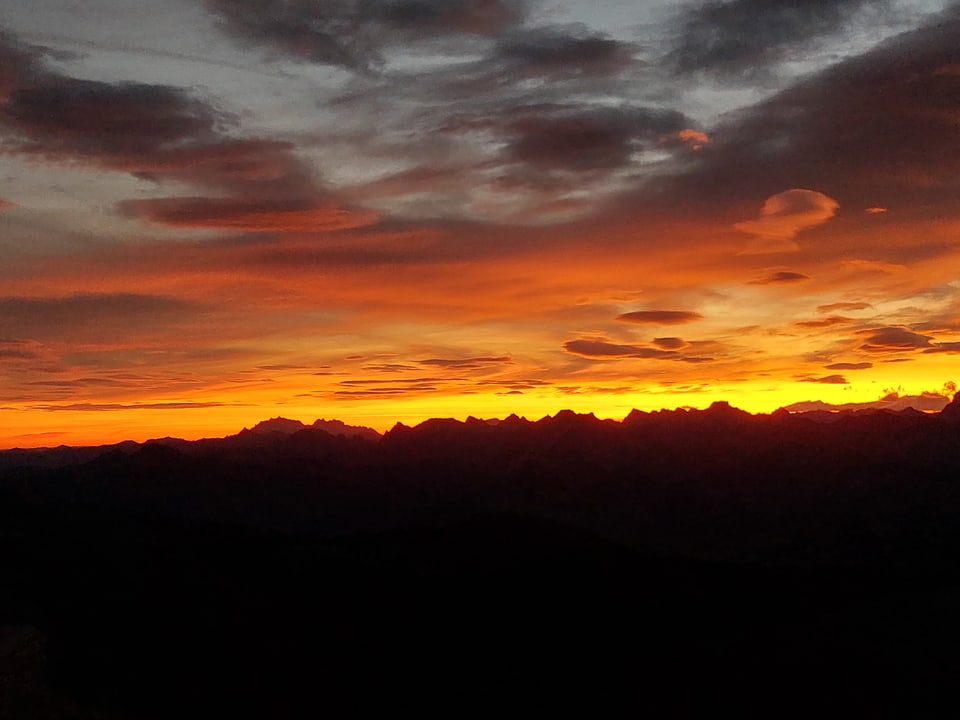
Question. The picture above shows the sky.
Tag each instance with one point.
(217, 211)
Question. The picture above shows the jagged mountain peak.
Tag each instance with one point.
(281, 425)
(952, 411)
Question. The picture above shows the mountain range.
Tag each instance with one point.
(680, 559)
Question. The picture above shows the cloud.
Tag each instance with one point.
(946, 347)
(601, 349)
(89, 317)
(825, 129)
(562, 52)
(660, 317)
(894, 339)
(670, 343)
(843, 306)
(875, 210)
(84, 118)
(581, 139)
(19, 63)
(825, 322)
(162, 133)
(926, 402)
(109, 407)
(744, 38)
(242, 216)
(783, 216)
(354, 33)
(827, 380)
(466, 363)
(850, 366)
(696, 139)
(780, 278)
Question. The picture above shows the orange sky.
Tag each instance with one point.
(476, 209)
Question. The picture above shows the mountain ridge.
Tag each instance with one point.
(720, 410)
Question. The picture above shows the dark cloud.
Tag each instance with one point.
(947, 347)
(827, 380)
(558, 53)
(825, 131)
(423, 18)
(88, 119)
(20, 64)
(602, 349)
(354, 33)
(162, 133)
(744, 38)
(669, 343)
(894, 339)
(780, 277)
(825, 322)
(850, 366)
(660, 317)
(466, 363)
(843, 306)
(586, 139)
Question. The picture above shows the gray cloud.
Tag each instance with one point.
(743, 38)
(354, 33)
(84, 118)
(162, 133)
(585, 139)
(557, 53)
(825, 131)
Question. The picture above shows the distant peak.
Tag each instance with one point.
(338, 427)
(278, 425)
(952, 411)
(722, 407)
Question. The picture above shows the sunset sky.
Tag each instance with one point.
(213, 212)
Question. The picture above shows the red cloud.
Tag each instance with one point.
(660, 317)
(231, 214)
(783, 216)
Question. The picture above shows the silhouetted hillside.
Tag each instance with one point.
(273, 571)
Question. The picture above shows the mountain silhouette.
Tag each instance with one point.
(290, 566)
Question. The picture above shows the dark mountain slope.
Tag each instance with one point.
(678, 560)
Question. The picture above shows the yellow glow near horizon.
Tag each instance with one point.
(32, 428)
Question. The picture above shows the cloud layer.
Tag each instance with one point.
(401, 208)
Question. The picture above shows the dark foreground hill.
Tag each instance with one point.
(677, 560)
